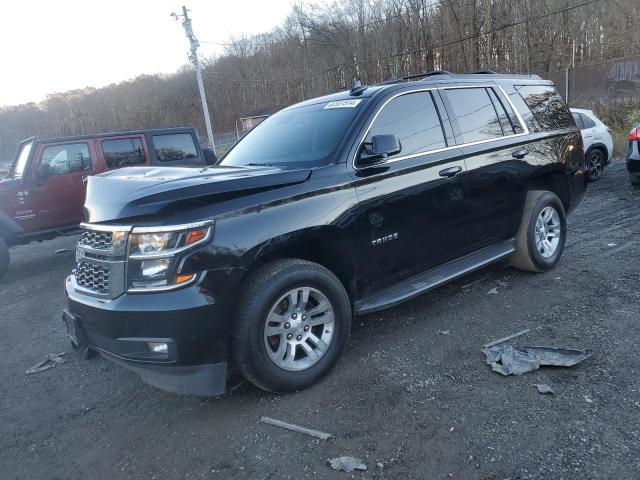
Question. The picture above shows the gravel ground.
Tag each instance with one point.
(412, 396)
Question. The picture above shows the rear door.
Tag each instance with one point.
(412, 209)
(493, 142)
(123, 151)
(179, 149)
(58, 184)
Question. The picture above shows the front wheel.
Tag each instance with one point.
(293, 323)
(4, 258)
(542, 234)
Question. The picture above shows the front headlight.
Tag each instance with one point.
(155, 255)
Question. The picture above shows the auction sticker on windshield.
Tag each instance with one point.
(343, 104)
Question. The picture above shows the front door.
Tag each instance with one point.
(412, 207)
(58, 184)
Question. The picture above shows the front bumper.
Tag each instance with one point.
(193, 323)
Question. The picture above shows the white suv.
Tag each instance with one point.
(598, 144)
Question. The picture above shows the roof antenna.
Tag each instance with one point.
(357, 87)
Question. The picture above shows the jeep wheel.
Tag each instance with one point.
(595, 164)
(542, 234)
(293, 322)
(4, 258)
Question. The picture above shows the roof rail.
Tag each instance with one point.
(392, 80)
(483, 72)
(357, 87)
(427, 74)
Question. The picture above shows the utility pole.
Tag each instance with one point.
(193, 57)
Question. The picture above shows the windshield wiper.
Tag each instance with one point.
(261, 165)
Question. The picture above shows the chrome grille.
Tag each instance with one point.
(101, 261)
(96, 239)
(95, 278)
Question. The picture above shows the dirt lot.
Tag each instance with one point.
(406, 395)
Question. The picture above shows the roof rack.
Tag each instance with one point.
(428, 74)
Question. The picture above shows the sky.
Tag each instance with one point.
(49, 46)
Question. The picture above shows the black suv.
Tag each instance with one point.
(334, 207)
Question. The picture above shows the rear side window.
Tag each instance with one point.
(123, 152)
(578, 119)
(587, 121)
(174, 146)
(62, 159)
(414, 119)
(475, 114)
(547, 106)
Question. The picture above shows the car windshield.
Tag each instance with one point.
(302, 137)
(21, 162)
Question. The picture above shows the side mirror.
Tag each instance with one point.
(210, 157)
(43, 172)
(381, 147)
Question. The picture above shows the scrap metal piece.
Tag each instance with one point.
(544, 388)
(506, 360)
(558, 357)
(51, 361)
(347, 464)
(295, 428)
(507, 338)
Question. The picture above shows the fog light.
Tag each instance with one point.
(157, 347)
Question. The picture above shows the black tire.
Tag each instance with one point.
(596, 161)
(526, 256)
(260, 292)
(4, 258)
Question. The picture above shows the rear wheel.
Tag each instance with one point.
(4, 258)
(542, 234)
(595, 164)
(293, 323)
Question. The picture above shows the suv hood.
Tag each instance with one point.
(136, 191)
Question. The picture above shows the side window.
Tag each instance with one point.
(505, 122)
(174, 146)
(588, 122)
(123, 152)
(62, 159)
(414, 119)
(578, 119)
(547, 106)
(474, 112)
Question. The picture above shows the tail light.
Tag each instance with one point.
(634, 135)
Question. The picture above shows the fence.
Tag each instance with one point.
(609, 83)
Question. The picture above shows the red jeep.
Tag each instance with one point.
(43, 194)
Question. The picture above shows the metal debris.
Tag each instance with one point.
(51, 361)
(507, 338)
(507, 360)
(493, 291)
(544, 388)
(347, 464)
(444, 332)
(61, 250)
(295, 428)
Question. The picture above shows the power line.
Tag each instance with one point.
(470, 37)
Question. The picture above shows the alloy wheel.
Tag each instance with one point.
(595, 165)
(299, 329)
(548, 230)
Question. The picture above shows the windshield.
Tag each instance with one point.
(21, 163)
(300, 138)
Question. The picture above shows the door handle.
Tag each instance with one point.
(521, 153)
(450, 172)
